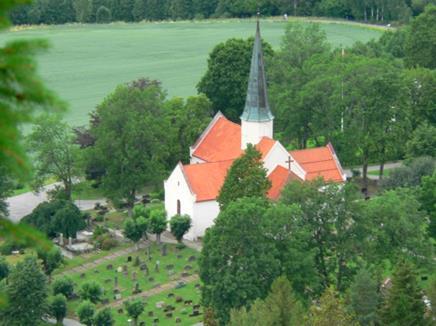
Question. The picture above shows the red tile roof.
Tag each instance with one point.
(222, 142)
(279, 177)
(206, 179)
(319, 162)
(265, 145)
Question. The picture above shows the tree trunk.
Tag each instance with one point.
(68, 185)
(381, 171)
(365, 176)
(295, 7)
(158, 238)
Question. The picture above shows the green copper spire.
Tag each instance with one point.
(256, 105)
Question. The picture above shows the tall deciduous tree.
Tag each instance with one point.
(180, 224)
(238, 262)
(27, 293)
(55, 155)
(226, 79)
(86, 311)
(131, 139)
(403, 304)
(245, 178)
(157, 222)
(134, 309)
(332, 214)
(421, 41)
(58, 308)
(83, 9)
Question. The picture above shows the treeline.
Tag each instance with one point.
(104, 11)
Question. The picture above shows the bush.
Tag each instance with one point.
(9, 246)
(86, 311)
(63, 286)
(180, 224)
(91, 291)
(106, 242)
(103, 317)
(4, 268)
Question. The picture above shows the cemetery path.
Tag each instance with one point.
(156, 290)
(83, 268)
(391, 165)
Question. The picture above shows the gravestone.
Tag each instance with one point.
(126, 274)
(142, 323)
(143, 267)
(164, 249)
(136, 290)
(70, 241)
(105, 301)
(169, 315)
(149, 252)
(160, 304)
(116, 291)
(83, 275)
(116, 281)
(134, 276)
(192, 258)
(170, 266)
(120, 311)
(120, 269)
(184, 274)
(197, 286)
(170, 295)
(188, 302)
(110, 267)
(156, 267)
(129, 259)
(151, 279)
(137, 261)
(178, 320)
(118, 296)
(187, 268)
(155, 321)
(179, 299)
(125, 269)
(61, 239)
(150, 314)
(195, 313)
(196, 307)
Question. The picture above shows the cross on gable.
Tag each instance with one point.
(289, 161)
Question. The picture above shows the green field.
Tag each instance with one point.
(86, 62)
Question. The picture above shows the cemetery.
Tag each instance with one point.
(144, 273)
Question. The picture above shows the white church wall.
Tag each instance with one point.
(252, 132)
(204, 216)
(176, 188)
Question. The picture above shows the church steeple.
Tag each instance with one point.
(257, 119)
(256, 104)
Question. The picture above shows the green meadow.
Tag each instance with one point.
(86, 62)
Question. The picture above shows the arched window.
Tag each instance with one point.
(179, 208)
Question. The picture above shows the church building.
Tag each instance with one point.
(192, 189)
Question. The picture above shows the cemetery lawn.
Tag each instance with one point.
(182, 311)
(85, 191)
(86, 62)
(105, 276)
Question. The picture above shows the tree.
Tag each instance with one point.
(27, 294)
(4, 268)
(238, 263)
(403, 304)
(245, 178)
(421, 41)
(86, 311)
(134, 309)
(55, 155)
(287, 75)
(226, 79)
(103, 15)
(364, 297)
(279, 308)
(57, 216)
(103, 317)
(6, 187)
(64, 286)
(91, 291)
(138, 10)
(83, 9)
(331, 311)
(422, 142)
(332, 215)
(399, 228)
(427, 198)
(431, 294)
(134, 229)
(131, 139)
(58, 308)
(157, 222)
(180, 224)
(51, 260)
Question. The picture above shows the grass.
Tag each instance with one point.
(386, 172)
(85, 191)
(86, 62)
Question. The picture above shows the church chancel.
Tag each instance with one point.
(192, 189)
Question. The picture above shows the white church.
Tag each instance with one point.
(192, 189)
